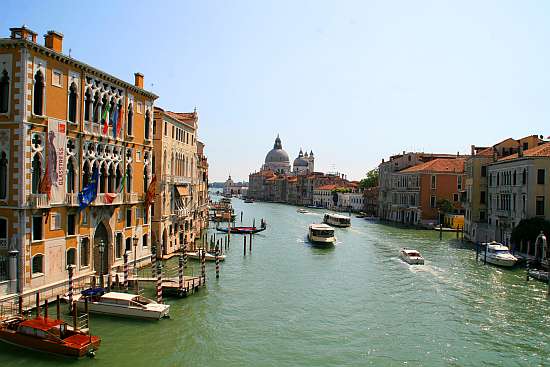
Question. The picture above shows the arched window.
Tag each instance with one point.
(524, 177)
(145, 179)
(128, 178)
(36, 173)
(70, 177)
(3, 176)
(118, 179)
(38, 264)
(111, 179)
(103, 178)
(4, 92)
(72, 102)
(38, 93)
(85, 174)
(147, 124)
(87, 102)
(85, 252)
(145, 241)
(96, 107)
(71, 256)
(130, 119)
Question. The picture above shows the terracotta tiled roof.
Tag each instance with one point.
(542, 150)
(326, 187)
(292, 179)
(439, 165)
(486, 152)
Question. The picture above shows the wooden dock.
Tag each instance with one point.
(170, 285)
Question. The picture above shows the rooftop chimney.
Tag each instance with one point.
(138, 80)
(54, 41)
(23, 33)
(473, 152)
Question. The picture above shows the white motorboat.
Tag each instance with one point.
(498, 254)
(207, 257)
(337, 220)
(301, 210)
(411, 256)
(121, 304)
(321, 234)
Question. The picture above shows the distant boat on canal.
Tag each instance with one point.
(207, 256)
(337, 220)
(411, 257)
(321, 234)
(121, 304)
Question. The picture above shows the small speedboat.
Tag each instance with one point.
(337, 220)
(249, 201)
(498, 254)
(301, 210)
(121, 304)
(207, 256)
(49, 336)
(321, 234)
(411, 256)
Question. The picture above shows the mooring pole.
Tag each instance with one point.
(46, 309)
(58, 307)
(241, 216)
(250, 243)
(485, 259)
(21, 305)
(217, 263)
(244, 246)
(126, 270)
(440, 231)
(180, 271)
(159, 282)
(527, 271)
(477, 251)
(70, 269)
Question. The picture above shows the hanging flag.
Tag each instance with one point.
(45, 186)
(149, 197)
(105, 118)
(119, 122)
(89, 192)
(114, 118)
(108, 198)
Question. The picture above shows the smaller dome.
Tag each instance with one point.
(300, 162)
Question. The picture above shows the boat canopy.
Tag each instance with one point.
(93, 292)
(41, 323)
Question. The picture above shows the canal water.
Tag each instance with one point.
(290, 304)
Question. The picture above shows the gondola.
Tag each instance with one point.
(242, 230)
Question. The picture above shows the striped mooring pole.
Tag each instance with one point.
(126, 270)
(70, 269)
(203, 267)
(180, 273)
(159, 282)
(217, 263)
(153, 261)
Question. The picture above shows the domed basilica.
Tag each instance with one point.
(277, 160)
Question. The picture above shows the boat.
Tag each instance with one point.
(248, 200)
(314, 207)
(48, 335)
(208, 256)
(498, 254)
(337, 220)
(121, 304)
(360, 216)
(411, 256)
(242, 230)
(301, 210)
(321, 234)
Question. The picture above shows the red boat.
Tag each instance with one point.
(242, 230)
(48, 335)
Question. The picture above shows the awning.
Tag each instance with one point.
(183, 190)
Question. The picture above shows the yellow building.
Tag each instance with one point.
(53, 134)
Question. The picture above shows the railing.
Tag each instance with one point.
(108, 198)
(4, 269)
(38, 200)
(71, 199)
(131, 197)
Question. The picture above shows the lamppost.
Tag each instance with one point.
(101, 248)
(135, 239)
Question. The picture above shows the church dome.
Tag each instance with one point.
(277, 154)
(300, 161)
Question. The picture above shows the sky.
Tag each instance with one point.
(354, 81)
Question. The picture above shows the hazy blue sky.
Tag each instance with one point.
(355, 81)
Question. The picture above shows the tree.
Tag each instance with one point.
(529, 229)
(444, 206)
(371, 180)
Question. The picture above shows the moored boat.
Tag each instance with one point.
(301, 210)
(243, 230)
(207, 256)
(498, 254)
(249, 201)
(121, 304)
(411, 256)
(321, 234)
(337, 220)
(47, 335)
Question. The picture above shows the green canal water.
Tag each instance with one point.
(289, 304)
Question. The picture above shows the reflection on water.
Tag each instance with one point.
(288, 303)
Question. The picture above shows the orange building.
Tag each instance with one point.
(418, 191)
(59, 120)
